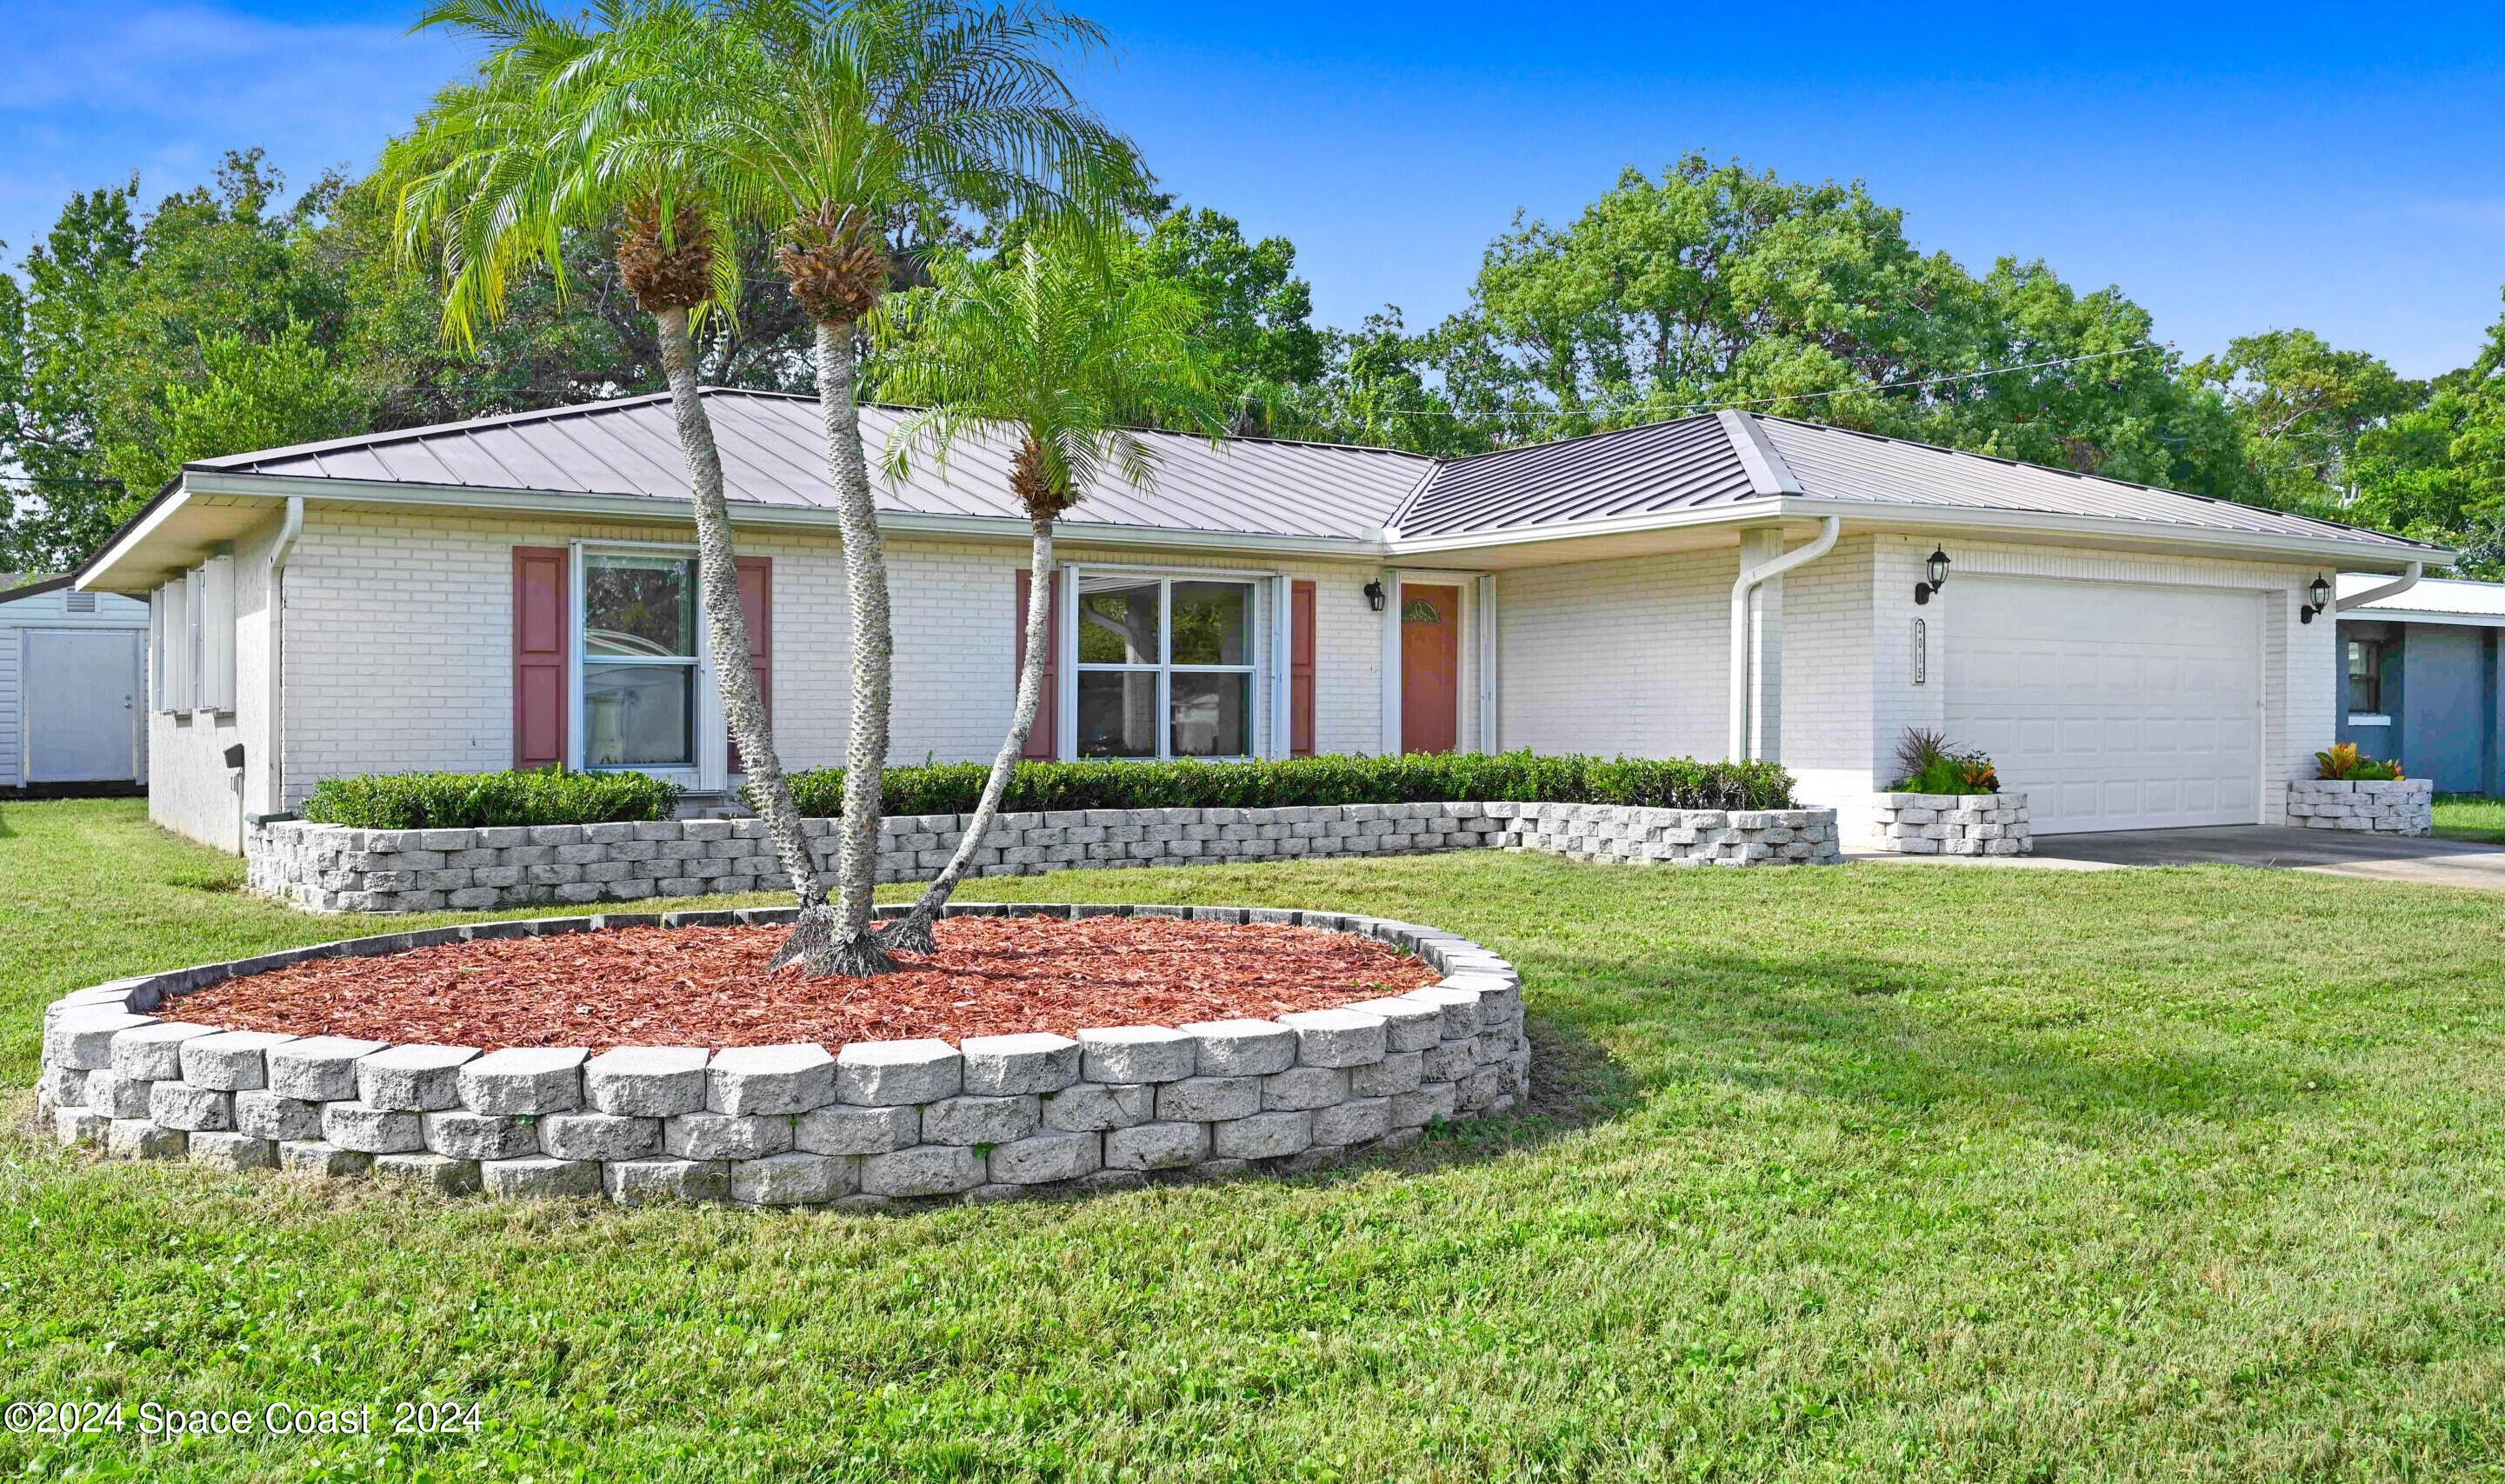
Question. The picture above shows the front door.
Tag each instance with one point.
(80, 699)
(1431, 668)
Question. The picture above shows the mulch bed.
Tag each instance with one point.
(708, 986)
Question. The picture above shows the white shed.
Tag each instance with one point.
(73, 666)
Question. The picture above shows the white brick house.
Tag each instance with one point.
(514, 591)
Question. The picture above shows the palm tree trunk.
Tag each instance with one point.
(726, 618)
(838, 939)
(913, 933)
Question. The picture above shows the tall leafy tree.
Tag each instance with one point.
(2302, 406)
(1257, 315)
(1050, 350)
(848, 123)
(575, 125)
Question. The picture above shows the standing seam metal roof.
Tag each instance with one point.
(772, 450)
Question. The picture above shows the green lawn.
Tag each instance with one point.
(2470, 817)
(1879, 1171)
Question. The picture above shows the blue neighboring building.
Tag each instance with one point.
(2418, 673)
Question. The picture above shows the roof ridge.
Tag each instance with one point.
(429, 430)
(1768, 473)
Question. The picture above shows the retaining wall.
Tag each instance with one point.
(1951, 825)
(797, 1124)
(2393, 806)
(334, 869)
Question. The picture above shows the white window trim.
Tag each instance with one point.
(711, 773)
(1265, 606)
(2368, 719)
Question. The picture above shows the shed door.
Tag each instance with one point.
(81, 705)
(2111, 706)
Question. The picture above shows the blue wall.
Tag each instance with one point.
(2439, 690)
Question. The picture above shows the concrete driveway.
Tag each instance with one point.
(2331, 851)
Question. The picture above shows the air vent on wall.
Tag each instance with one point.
(80, 602)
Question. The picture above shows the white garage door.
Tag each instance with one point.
(2112, 706)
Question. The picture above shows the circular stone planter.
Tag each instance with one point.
(798, 1124)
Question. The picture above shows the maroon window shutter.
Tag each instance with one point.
(539, 656)
(1044, 737)
(1300, 670)
(757, 606)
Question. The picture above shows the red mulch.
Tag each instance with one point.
(708, 986)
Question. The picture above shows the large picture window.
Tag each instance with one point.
(1165, 666)
(640, 642)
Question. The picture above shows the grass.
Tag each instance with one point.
(2470, 817)
(1871, 1172)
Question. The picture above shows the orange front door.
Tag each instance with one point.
(1431, 668)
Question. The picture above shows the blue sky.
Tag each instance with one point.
(2233, 170)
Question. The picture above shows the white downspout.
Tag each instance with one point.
(1828, 529)
(272, 680)
(2403, 583)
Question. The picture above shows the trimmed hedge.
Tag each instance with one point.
(1674, 782)
(473, 800)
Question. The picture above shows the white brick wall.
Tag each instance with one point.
(1629, 655)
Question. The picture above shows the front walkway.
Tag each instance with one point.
(2331, 851)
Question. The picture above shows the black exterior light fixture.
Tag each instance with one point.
(1375, 597)
(1937, 566)
(2320, 592)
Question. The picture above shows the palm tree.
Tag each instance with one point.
(573, 126)
(1053, 350)
(849, 117)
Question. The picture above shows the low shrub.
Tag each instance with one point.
(2345, 762)
(1934, 764)
(471, 800)
(1523, 777)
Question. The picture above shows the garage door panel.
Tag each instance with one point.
(2112, 706)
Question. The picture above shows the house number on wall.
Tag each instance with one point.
(1922, 651)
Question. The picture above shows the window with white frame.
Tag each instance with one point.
(1166, 667)
(642, 685)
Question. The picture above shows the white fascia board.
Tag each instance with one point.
(2250, 544)
(648, 508)
(102, 562)
(2422, 615)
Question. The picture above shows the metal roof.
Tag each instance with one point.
(1835, 464)
(773, 453)
(2456, 597)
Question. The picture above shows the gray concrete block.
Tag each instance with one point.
(1262, 1136)
(647, 1181)
(1045, 1158)
(412, 1079)
(370, 1130)
(264, 1115)
(67, 1086)
(539, 1177)
(1451, 1061)
(1207, 1099)
(1157, 1147)
(1241, 1048)
(847, 1130)
(1355, 1121)
(600, 1137)
(647, 1082)
(83, 1038)
(233, 1151)
(80, 1125)
(1138, 1053)
(1336, 1038)
(1427, 1103)
(973, 1120)
(1460, 1008)
(528, 1081)
(440, 1173)
(153, 1054)
(793, 1179)
(462, 1133)
(1005, 1066)
(115, 1096)
(1304, 1087)
(1095, 1107)
(726, 1136)
(879, 1073)
(789, 1079)
(144, 1139)
(925, 1169)
(193, 1110)
(1398, 1072)
(318, 1069)
(1408, 1025)
(316, 1156)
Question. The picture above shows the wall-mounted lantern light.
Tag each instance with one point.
(2320, 592)
(1937, 568)
(1375, 597)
